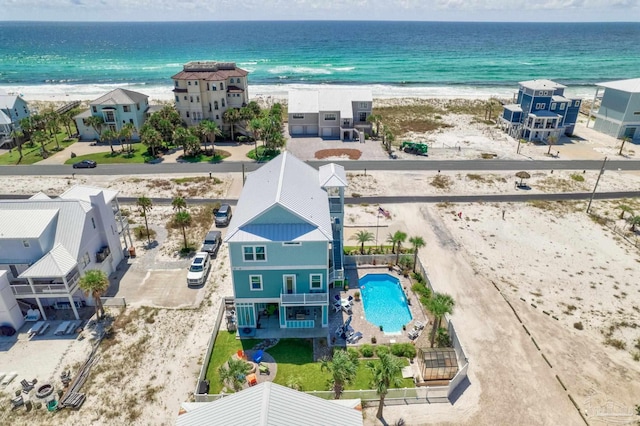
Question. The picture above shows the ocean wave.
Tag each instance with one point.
(283, 69)
(344, 68)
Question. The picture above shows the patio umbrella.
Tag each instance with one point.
(522, 175)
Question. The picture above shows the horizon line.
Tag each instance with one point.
(318, 20)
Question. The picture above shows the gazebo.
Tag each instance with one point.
(437, 363)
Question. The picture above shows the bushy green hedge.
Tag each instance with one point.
(406, 350)
(366, 351)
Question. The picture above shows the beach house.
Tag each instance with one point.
(285, 247)
(540, 110)
(330, 113)
(46, 245)
(12, 109)
(116, 108)
(207, 89)
(619, 111)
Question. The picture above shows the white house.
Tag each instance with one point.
(619, 112)
(330, 113)
(12, 109)
(116, 108)
(46, 245)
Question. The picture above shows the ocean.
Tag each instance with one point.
(44, 60)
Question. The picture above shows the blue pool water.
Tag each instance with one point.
(384, 302)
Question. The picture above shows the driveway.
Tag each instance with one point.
(306, 148)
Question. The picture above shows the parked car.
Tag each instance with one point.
(199, 269)
(223, 215)
(85, 164)
(212, 243)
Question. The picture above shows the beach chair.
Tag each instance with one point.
(62, 328)
(257, 357)
(27, 386)
(418, 325)
(35, 328)
(413, 334)
(44, 329)
(73, 326)
(263, 368)
(252, 380)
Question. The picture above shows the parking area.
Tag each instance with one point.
(306, 148)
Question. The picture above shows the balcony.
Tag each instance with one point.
(304, 299)
(103, 254)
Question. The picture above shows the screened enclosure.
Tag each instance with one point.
(437, 363)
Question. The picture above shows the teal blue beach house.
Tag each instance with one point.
(285, 246)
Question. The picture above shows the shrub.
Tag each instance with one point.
(406, 350)
(353, 354)
(577, 177)
(421, 290)
(141, 232)
(382, 350)
(578, 325)
(417, 276)
(367, 350)
(442, 338)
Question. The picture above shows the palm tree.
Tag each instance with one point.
(234, 374)
(110, 135)
(399, 237)
(362, 237)
(144, 206)
(417, 243)
(624, 209)
(392, 241)
(40, 137)
(17, 136)
(375, 119)
(95, 283)
(256, 126)
(387, 374)
(624, 139)
(178, 203)
(439, 305)
(126, 133)
(183, 220)
(211, 130)
(634, 221)
(388, 139)
(180, 136)
(151, 138)
(26, 126)
(52, 124)
(96, 122)
(551, 140)
(343, 370)
(231, 116)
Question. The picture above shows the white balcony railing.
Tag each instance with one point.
(304, 299)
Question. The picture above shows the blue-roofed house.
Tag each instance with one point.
(541, 110)
(285, 245)
(618, 114)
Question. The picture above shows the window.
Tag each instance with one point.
(190, 98)
(126, 108)
(315, 281)
(86, 259)
(131, 120)
(185, 97)
(222, 100)
(636, 113)
(221, 86)
(291, 243)
(187, 114)
(93, 223)
(189, 83)
(362, 116)
(176, 83)
(553, 105)
(209, 106)
(298, 116)
(94, 109)
(109, 117)
(195, 83)
(330, 117)
(255, 282)
(540, 105)
(254, 253)
(562, 106)
(363, 105)
(213, 87)
(138, 107)
(177, 99)
(207, 86)
(197, 98)
(25, 243)
(217, 117)
(215, 104)
(576, 103)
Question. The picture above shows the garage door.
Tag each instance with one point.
(312, 130)
(327, 132)
(296, 130)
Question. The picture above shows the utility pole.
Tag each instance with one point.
(596, 185)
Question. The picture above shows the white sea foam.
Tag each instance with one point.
(70, 92)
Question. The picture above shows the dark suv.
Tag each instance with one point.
(212, 243)
(223, 215)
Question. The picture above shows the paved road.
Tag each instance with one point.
(226, 167)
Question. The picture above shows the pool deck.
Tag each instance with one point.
(358, 321)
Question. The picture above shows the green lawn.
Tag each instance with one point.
(264, 154)
(226, 345)
(31, 154)
(295, 360)
(139, 155)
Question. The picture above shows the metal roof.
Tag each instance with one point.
(513, 107)
(289, 183)
(40, 196)
(26, 224)
(279, 232)
(84, 193)
(271, 404)
(84, 114)
(120, 97)
(303, 102)
(57, 263)
(556, 98)
(542, 84)
(4, 119)
(631, 85)
(332, 175)
(314, 101)
(544, 113)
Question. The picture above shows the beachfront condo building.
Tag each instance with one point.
(286, 248)
(116, 109)
(619, 111)
(540, 110)
(206, 90)
(47, 244)
(12, 109)
(330, 113)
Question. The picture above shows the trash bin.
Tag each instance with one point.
(132, 251)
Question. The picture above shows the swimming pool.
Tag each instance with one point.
(384, 302)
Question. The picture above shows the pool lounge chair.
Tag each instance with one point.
(354, 337)
(62, 328)
(28, 385)
(413, 334)
(418, 325)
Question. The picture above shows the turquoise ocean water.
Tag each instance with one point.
(393, 58)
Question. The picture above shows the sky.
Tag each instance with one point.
(350, 10)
